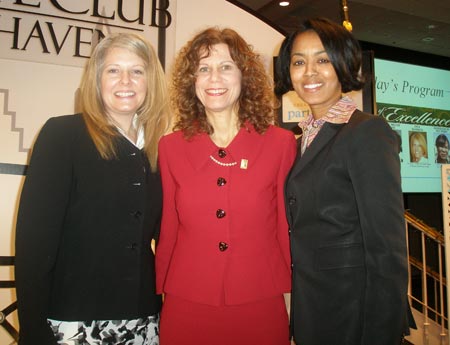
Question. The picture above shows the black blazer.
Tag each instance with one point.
(84, 230)
(348, 242)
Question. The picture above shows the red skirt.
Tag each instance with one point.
(263, 322)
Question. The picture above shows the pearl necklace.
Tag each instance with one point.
(222, 164)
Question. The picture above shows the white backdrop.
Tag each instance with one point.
(37, 81)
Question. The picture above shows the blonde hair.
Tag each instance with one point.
(420, 137)
(153, 113)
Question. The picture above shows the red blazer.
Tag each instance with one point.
(224, 235)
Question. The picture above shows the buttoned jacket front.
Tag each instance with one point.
(345, 211)
(224, 235)
(83, 232)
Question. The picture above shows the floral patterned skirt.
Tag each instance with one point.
(144, 331)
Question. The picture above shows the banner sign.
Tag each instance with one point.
(65, 31)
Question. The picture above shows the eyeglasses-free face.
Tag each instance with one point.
(218, 81)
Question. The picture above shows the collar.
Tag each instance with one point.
(245, 146)
(140, 141)
(339, 113)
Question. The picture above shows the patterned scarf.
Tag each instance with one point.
(338, 113)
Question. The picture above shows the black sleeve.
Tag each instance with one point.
(40, 220)
(375, 173)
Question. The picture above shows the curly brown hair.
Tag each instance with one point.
(257, 102)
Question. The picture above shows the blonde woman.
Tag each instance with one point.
(91, 204)
(418, 147)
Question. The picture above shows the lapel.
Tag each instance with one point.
(246, 145)
(328, 131)
(198, 149)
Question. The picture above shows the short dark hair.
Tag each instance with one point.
(341, 46)
(441, 140)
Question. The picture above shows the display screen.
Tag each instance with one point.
(415, 100)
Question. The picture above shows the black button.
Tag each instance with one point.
(220, 213)
(292, 200)
(222, 153)
(132, 246)
(221, 182)
(136, 214)
(223, 246)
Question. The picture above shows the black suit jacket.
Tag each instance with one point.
(84, 230)
(348, 242)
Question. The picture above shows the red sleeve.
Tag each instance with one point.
(169, 222)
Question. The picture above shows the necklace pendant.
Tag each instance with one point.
(244, 164)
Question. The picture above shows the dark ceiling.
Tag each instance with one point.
(415, 25)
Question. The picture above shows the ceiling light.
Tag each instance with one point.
(346, 23)
(284, 3)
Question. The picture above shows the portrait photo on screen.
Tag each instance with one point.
(418, 147)
(415, 100)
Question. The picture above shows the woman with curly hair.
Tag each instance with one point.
(223, 258)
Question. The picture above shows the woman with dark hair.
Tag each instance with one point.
(442, 146)
(222, 259)
(91, 204)
(344, 200)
